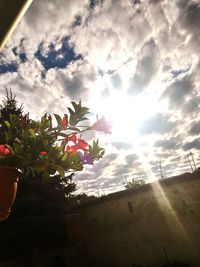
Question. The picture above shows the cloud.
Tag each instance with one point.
(86, 52)
(191, 107)
(130, 158)
(122, 170)
(159, 123)
(178, 90)
(147, 67)
(170, 144)
(122, 145)
(194, 144)
(195, 128)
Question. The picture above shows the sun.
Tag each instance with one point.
(122, 112)
(126, 113)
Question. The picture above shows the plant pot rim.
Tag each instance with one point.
(6, 167)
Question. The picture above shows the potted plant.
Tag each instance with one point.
(44, 147)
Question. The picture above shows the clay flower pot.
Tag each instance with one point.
(8, 188)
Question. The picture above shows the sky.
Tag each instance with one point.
(134, 61)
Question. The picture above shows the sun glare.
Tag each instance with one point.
(126, 113)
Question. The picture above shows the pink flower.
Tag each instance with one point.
(101, 125)
(4, 150)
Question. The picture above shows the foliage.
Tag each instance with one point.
(35, 199)
(41, 148)
(135, 182)
(50, 147)
(9, 106)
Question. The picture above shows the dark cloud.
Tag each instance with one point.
(195, 144)
(146, 68)
(74, 86)
(175, 158)
(192, 106)
(182, 4)
(169, 144)
(94, 3)
(131, 158)
(110, 157)
(189, 22)
(116, 81)
(159, 124)
(111, 182)
(77, 21)
(122, 145)
(195, 128)
(121, 170)
(178, 90)
(19, 51)
(192, 15)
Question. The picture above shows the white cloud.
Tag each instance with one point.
(123, 47)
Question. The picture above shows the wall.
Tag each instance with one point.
(154, 224)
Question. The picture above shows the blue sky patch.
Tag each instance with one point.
(11, 67)
(57, 58)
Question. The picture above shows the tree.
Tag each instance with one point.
(9, 106)
(135, 182)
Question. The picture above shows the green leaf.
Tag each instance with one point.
(95, 151)
(70, 111)
(61, 170)
(32, 133)
(8, 136)
(58, 119)
(17, 140)
(7, 123)
(64, 157)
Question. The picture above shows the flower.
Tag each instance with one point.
(101, 125)
(28, 142)
(80, 145)
(71, 149)
(64, 121)
(43, 153)
(72, 138)
(4, 150)
(86, 159)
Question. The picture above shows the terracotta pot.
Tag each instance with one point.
(8, 188)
